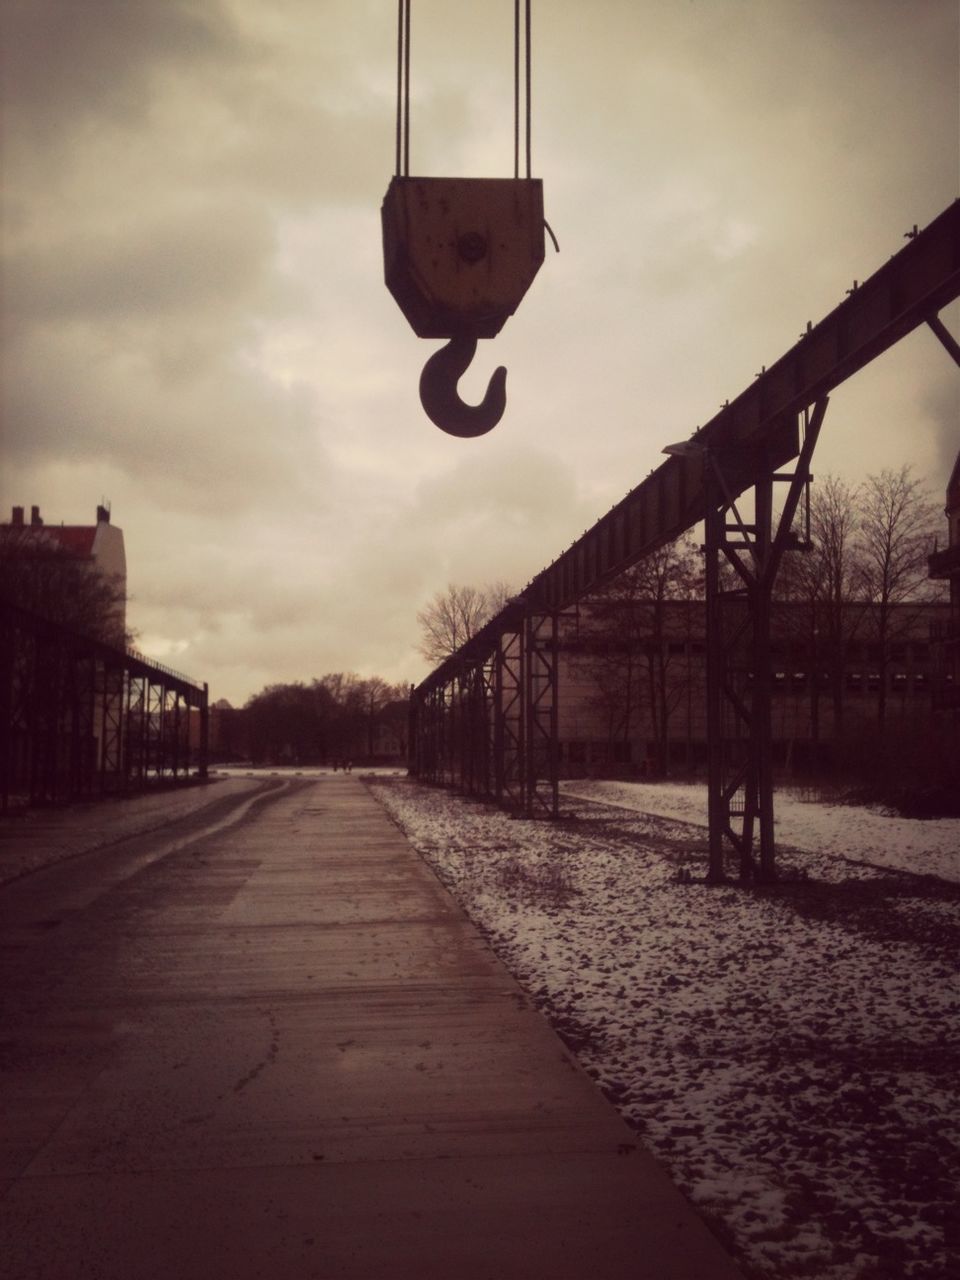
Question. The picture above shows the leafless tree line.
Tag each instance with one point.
(330, 719)
(456, 614)
(866, 565)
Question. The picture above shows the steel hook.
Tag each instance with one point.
(438, 391)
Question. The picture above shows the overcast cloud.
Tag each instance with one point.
(196, 327)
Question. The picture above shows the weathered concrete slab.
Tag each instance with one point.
(283, 1051)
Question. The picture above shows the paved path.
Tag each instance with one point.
(282, 1051)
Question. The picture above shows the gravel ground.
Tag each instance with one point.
(789, 1052)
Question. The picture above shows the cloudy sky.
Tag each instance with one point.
(196, 326)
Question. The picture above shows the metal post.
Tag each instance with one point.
(716, 808)
(761, 764)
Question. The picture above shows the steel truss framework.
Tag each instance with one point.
(491, 730)
(80, 719)
(486, 719)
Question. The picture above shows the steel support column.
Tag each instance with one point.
(743, 555)
(511, 755)
(542, 787)
(112, 690)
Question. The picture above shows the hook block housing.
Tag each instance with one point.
(460, 253)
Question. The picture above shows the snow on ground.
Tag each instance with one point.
(930, 847)
(789, 1052)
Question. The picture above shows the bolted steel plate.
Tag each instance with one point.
(460, 253)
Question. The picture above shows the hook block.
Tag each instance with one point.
(460, 253)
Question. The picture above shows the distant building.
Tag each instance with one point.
(227, 737)
(100, 544)
(946, 634)
(639, 705)
(390, 731)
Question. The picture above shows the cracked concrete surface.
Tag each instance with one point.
(281, 1050)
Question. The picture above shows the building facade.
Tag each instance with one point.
(633, 689)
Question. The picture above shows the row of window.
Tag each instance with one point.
(696, 648)
(857, 681)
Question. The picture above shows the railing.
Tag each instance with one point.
(154, 665)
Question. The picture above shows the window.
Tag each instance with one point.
(854, 680)
(873, 681)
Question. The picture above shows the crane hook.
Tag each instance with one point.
(438, 391)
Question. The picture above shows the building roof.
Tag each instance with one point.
(74, 538)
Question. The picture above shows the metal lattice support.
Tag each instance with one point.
(135, 738)
(542, 790)
(487, 676)
(111, 693)
(738, 452)
(153, 737)
(475, 715)
(743, 555)
(511, 756)
(78, 731)
(80, 717)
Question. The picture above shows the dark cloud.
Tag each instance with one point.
(167, 269)
(70, 62)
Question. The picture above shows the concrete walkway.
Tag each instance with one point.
(282, 1051)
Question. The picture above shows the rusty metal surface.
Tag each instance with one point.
(460, 253)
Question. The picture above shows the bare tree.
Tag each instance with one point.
(825, 582)
(42, 576)
(333, 717)
(898, 527)
(375, 694)
(638, 645)
(456, 614)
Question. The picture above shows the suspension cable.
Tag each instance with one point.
(516, 84)
(516, 88)
(402, 163)
(403, 89)
(528, 84)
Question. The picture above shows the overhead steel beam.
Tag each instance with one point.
(760, 424)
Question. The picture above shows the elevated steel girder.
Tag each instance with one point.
(906, 292)
(493, 727)
(757, 435)
(911, 289)
(74, 713)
